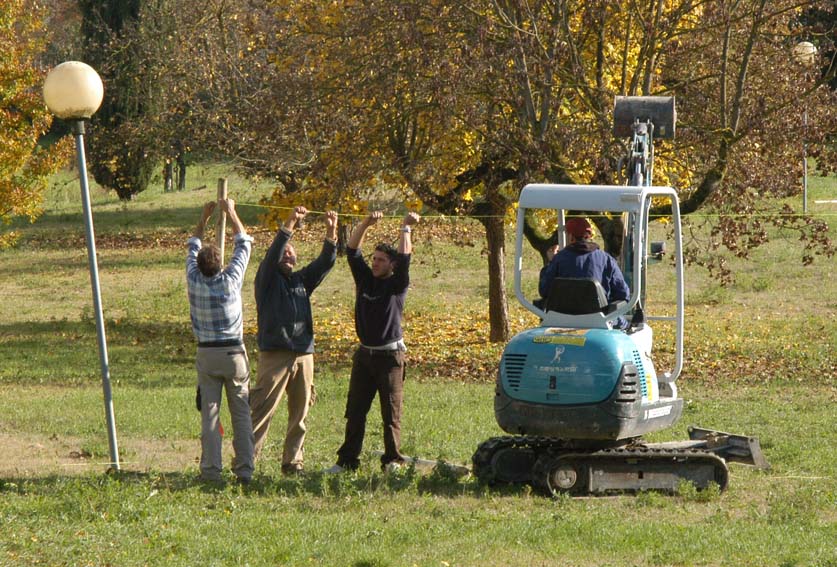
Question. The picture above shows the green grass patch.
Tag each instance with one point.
(148, 516)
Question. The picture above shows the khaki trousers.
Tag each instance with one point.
(222, 368)
(282, 371)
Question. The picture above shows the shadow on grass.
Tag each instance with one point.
(146, 353)
(73, 261)
(117, 219)
(316, 484)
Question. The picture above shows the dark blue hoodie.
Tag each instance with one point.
(282, 302)
(584, 259)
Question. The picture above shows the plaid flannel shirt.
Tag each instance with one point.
(215, 303)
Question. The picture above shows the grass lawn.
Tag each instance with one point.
(759, 361)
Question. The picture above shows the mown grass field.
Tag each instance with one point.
(760, 360)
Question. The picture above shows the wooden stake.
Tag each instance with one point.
(221, 227)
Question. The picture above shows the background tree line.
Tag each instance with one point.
(459, 103)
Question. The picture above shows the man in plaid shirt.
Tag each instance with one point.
(221, 360)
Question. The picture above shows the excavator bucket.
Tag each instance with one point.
(658, 109)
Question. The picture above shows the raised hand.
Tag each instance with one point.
(227, 205)
(295, 217)
(208, 208)
(331, 219)
(331, 225)
(206, 212)
(299, 213)
(374, 217)
(411, 219)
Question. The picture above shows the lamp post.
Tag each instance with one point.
(73, 91)
(805, 54)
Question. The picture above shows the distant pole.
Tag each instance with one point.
(805, 54)
(805, 160)
(221, 227)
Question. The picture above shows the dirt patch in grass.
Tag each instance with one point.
(33, 456)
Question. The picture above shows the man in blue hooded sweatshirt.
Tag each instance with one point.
(582, 258)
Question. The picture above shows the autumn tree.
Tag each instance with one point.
(204, 70)
(744, 97)
(820, 25)
(739, 95)
(24, 165)
(126, 42)
(463, 102)
(326, 112)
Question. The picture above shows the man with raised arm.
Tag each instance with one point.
(286, 335)
(378, 362)
(221, 359)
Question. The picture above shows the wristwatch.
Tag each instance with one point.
(406, 229)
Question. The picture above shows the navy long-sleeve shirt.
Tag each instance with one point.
(283, 302)
(379, 302)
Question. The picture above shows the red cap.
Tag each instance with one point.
(579, 227)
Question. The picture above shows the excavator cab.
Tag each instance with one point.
(575, 376)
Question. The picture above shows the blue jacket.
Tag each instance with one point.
(584, 259)
(282, 302)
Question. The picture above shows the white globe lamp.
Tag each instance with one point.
(805, 53)
(73, 91)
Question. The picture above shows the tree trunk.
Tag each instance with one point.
(711, 182)
(611, 231)
(490, 214)
(181, 172)
(343, 234)
(498, 307)
(538, 241)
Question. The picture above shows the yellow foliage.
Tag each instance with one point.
(414, 204)
(392, 125)
(24, 166)
(443, 344)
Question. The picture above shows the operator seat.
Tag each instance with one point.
(578, 296)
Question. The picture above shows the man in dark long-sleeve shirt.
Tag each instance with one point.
(378, 363)
(286, 336)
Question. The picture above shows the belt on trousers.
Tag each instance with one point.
(228, 342)
(377, 352)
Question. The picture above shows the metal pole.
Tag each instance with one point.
(78, 131)
(805, 160)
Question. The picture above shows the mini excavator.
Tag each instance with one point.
(575, 394)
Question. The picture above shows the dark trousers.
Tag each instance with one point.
(380, 372)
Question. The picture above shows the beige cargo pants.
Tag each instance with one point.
(280, 372)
